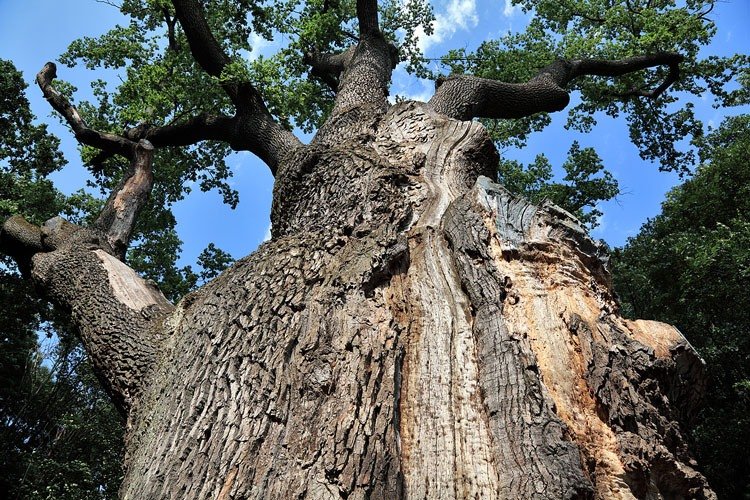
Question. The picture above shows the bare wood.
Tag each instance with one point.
(408, 333)
(118, 217)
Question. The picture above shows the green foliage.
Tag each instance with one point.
(690, 266)
(60, 435)
(585, 182)
(213, 261)
(28, 153)
(605, 29)
(163, 84)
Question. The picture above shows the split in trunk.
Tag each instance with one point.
(412, 329)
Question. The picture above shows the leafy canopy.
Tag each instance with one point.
(162, 84)
(690, 266)
(605, 29)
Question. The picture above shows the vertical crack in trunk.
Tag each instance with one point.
(411, 333)
(446, 445)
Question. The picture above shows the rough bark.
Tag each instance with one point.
(413, 330)
(466, 96)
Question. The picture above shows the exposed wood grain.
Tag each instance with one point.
(413, 330)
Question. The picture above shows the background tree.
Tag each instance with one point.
(217, 107)
(689, 266)
(60, 434)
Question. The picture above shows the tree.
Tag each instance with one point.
(412, 329)
(689, 266)
(60, 435)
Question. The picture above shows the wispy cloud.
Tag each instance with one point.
(260, 46)
(457, 15)
(510, 9)
(407, 87)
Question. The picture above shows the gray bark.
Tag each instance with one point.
(412, 330)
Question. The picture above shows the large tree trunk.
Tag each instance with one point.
(412, 330)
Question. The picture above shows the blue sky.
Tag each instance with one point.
(35, 31)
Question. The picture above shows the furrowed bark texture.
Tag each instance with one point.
(413, 330)
(118, 314)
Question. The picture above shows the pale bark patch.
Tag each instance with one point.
(661, 337)
(129, 288)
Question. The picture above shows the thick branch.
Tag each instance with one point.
(254, 129)
(203, 45)
(202, 127)
(328, 67)
(20, 240)
(84, 134)
(187, 132)
(466, 97)
(367, 15)
(366, 69)
(118, 314)
(117, 219)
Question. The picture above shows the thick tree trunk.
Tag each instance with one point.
(413, 330)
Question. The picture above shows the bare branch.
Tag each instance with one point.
(465, 97)
(603, 67)
(118, 217)
(84, 134)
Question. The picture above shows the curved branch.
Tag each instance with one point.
(117, 313)
(465, 97)
(271, 141)
(109, 142)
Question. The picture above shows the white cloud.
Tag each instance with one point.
(459, 14)
(510, 9)
(267, 234)
(260, 46)
(409, 88)
(463, 13)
